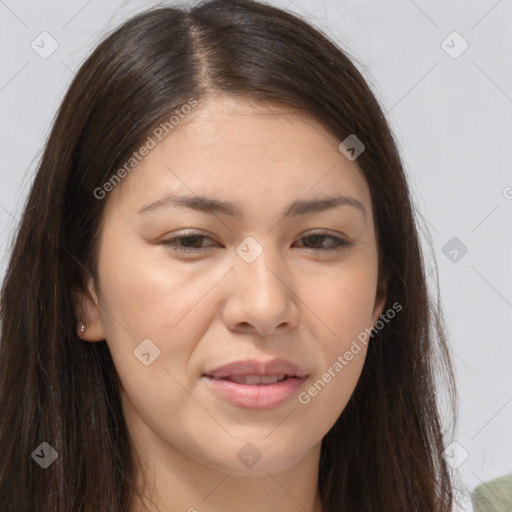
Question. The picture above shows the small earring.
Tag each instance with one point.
(82, 328)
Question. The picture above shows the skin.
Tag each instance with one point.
(211, 307)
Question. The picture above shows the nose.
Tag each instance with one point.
(260, 297)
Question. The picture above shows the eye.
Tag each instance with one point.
(317, 238)
(189, 243)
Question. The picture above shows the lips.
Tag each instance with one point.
(255, 384)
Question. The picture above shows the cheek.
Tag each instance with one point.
(329, 391)
(343, 302)
(153, 299)
(148, 293)
(341, 359)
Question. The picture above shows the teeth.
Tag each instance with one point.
(269, 379)
(252, 380)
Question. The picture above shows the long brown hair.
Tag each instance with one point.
(385, 452)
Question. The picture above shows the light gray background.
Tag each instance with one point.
(452, 118)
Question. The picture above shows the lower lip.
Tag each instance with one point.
(263, 396)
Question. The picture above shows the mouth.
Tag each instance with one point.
(257, 380)
(255, 385)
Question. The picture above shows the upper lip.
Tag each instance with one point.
(276, 366)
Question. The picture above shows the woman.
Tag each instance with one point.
(216, 299)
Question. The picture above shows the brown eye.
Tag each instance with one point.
(187, 243)
(316, 241)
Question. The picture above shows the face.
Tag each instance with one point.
(262, 268)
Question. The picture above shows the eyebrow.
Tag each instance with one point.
(210, 205)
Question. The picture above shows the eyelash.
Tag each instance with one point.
(339, 243)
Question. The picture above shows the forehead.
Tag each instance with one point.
(242, 151)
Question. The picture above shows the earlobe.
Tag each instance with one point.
(88, 311)
(89, 331)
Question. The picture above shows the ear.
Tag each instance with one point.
(380, 299)
(88, 312)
